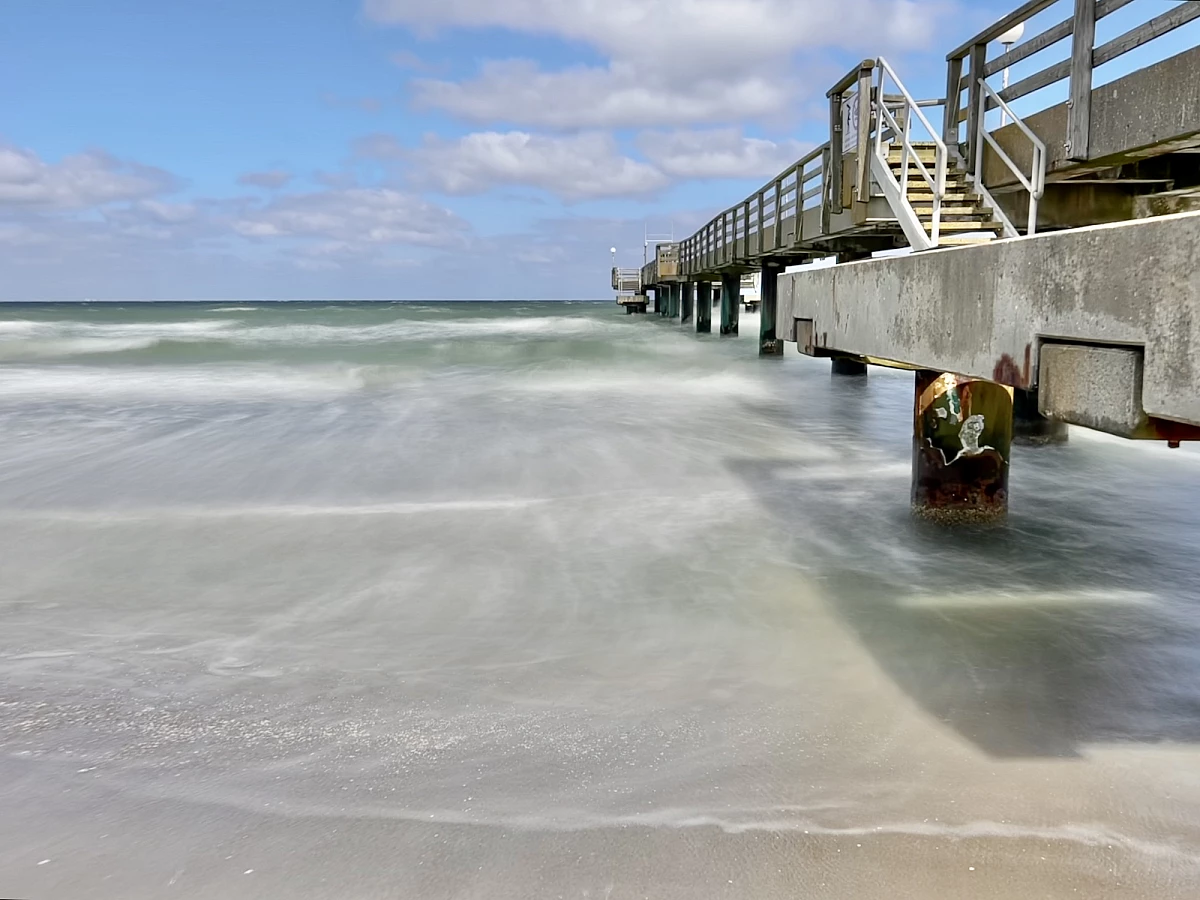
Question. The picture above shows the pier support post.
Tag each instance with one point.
(731, 302)
(687, 301)
(1030, 427)
(768, 343)
(673, 301)
(962, 435)
(658, 290)
(704, 307)
(844, 365)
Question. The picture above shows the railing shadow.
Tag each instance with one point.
(1060, 630)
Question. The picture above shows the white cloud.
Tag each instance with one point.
(77, 182)
(671, 62)
(357, 216)
(270, 179)
(577, 167)
(718, 153)
(702, 34)
(620, 95)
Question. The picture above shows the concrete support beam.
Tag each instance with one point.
(687, 302)
(768, 343)
(1000, 311)
(845, 365)
(962, 435)
(1030, 427)
(658, 297)
(731, 303)
(704, 307)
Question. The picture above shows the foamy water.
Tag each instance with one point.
(524, 600)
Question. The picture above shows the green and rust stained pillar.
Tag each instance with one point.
(704, 307)
(687, 300)
(673, 300)
(768, 343)
(731, 302)
(962, 435)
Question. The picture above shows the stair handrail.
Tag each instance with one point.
(1035, 183)
(936, 181)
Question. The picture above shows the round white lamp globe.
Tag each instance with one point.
(1013, 34)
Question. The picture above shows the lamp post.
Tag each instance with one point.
(1006, 40)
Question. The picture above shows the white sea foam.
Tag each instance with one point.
(212, 383)
(408, 330)
(12, 351)
(716, 384)
(277, 511)
(21, 340)
(19, 326)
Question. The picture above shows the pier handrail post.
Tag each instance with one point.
(1079, 106)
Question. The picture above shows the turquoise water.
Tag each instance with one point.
(533, 599)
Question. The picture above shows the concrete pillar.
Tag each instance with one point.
(704, 307)
(962, 434)
(672, 300)
(687, 302)
(1030, 427)
(768, 343)
(844, 365)
(658, 291)
(731, 303)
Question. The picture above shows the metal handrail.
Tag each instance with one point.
(912, 107)
(1035, 184)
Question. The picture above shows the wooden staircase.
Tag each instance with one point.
(965, 220)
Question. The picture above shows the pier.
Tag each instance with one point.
(1053, 272)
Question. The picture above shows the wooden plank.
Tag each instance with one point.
(1146, 32)
(1079, 106)
(1104, 7)
(1030, 47)
(1042, 79)
(777, 216)
(862, 174)
(976, 63)
(849, 78)
(825, 182)
(835, 147)
(760, 221)
(953, 101)
(1016, 17)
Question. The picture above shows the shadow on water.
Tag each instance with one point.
(1067, 627)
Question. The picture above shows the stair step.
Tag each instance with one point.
(917, 179)
(914, 170)
(952, 213)
(925, 156)
(925, 192)
(965, 240)
(976, 225)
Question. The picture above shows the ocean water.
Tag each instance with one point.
(540, 600)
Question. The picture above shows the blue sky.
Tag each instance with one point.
(408, 148)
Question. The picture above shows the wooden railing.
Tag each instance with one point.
(759, 224)
(770, 220)
(970, 62)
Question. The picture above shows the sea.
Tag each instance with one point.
(541, 600)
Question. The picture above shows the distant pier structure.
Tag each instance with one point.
(1044, 238)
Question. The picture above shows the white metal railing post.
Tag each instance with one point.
(937, 181)
(1035, 184)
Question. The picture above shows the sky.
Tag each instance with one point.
(409, 149)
